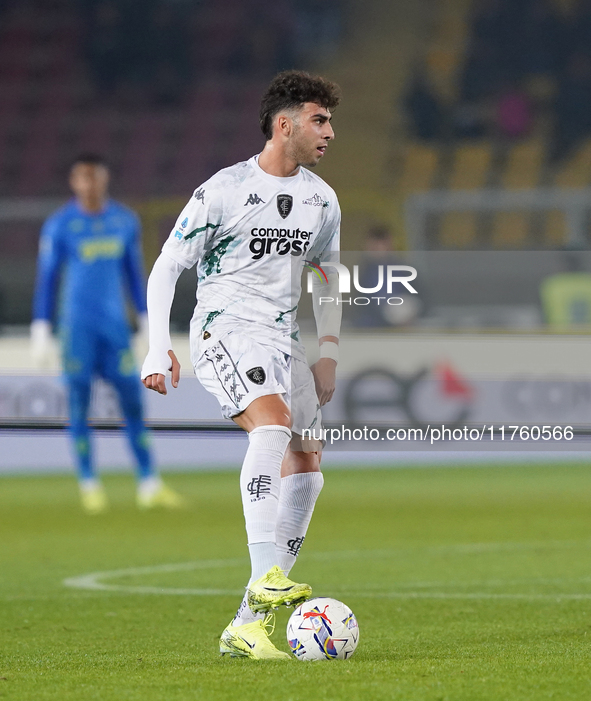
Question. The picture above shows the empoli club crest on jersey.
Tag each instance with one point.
(284, 205)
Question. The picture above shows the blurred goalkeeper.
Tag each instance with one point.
(93, 244)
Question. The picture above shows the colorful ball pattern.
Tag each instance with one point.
(322, 629)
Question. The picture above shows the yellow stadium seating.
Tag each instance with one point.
(576, 172)
(523, 165)
(510, 230)
(457, 230)
(555, 229)
(418, 169)
(470, 167)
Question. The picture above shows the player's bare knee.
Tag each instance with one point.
(264, 411)
(306, 445)
(297, 461)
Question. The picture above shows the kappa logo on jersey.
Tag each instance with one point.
(256, 375)
(254, 199)
(200, 195)
(284, 205)
(277, 240)
(316, 201)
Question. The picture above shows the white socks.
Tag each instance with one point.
(245, 614)
(263, 556)
(296, 506)
(292, 514)
(260, 482)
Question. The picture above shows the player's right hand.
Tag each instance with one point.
(157, 381)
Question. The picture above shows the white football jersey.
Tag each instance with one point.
(250, 234)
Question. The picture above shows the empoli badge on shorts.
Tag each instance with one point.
(256, 375)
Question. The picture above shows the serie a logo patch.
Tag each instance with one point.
(256, 375)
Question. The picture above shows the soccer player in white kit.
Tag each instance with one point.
(250, 229)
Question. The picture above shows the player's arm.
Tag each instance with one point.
(161, 357)
(327, 313)
(134, 270)
(48, 268)
(328, 323)
(183, 248)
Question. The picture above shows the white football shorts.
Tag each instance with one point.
(236, 369)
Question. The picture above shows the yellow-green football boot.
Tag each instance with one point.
(160, 497)
(93, 498)
(274, 589)
(252, 640)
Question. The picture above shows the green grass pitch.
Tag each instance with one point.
(469, 583)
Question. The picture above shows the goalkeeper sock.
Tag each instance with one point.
(260, 481)
(128, 389)
(79, 401)
(298, 496)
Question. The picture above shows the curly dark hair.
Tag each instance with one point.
(292, 89)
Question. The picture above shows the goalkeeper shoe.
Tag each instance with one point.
(251, 640)
(93, 498)
(274, 589)
(159, 496)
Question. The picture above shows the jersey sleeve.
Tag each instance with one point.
(326, 247)
(196, 224)
(134, 267)
(49, 262)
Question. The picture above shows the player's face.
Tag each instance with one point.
(89, 182)
(311, 133)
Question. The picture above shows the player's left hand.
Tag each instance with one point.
(324, 371)
(41, 342)
(157, 381)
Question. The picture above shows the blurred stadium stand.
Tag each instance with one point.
(167, 91)
(447, 97)
(511, 81)
(57, 100)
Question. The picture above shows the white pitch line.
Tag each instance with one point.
(91, 581)
(459, 595)
(451, 548)
(95, 580)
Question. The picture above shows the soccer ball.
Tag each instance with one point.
(322, 629)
